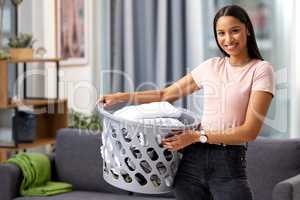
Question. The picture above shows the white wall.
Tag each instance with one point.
(75, 81)
(195, 46)
(295, 72)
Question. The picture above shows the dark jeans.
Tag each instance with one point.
(212, 172)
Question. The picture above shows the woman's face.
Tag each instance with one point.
(232, 35)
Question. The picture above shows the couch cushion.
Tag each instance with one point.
(79, 195)
(78, 160)
(271, 161)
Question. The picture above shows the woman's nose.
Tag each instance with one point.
(228, 38)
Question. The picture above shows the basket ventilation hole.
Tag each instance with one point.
(105, 169)
(135, 152)
(140, 179)
(119, 147)
(125, 135)
(126, 176)
(161, 168)
(158, 141)
(168, 181)
(113, 131)
(142, 139)
(123, 151)
(145, 166)
(152, 154)
(168, 155)
(114, 173)
(155, 180)
(130, 164)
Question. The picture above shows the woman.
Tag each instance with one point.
(238, 89)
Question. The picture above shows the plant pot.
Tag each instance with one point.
(21, 53)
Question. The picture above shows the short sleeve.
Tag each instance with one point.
(199, 72)
(264, 79)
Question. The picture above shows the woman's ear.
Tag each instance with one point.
(248, 32)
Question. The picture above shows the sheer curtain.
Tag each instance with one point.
(147, 44)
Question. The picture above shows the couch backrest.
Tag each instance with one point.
(271, 161)
(78, 160)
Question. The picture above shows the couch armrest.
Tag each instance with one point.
(288, 189)
(10, 179)
(53, 167)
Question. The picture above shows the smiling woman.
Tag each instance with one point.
(237, 89)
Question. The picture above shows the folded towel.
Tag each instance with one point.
(148, 111)
(36, 171)
(162, 122)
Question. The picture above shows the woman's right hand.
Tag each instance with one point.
(111, 99)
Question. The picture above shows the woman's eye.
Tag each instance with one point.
(220, 33)
(235, 30)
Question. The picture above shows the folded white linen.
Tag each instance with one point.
(149, 111)
(162, 122)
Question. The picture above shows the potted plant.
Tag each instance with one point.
(80, 120)
(21, 47)
(3, 55)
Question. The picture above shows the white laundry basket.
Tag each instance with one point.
(133, 157)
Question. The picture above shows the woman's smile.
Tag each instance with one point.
(231, 47)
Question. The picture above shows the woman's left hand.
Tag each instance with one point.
(180, 140)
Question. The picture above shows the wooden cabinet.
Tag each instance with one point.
(52, 114)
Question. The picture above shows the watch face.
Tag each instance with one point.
(203, 139)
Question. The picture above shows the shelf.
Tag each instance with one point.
(33, 60)
(51, 115)
(34, 102)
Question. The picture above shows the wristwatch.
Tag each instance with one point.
(203, 137)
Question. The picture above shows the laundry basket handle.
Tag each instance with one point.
(101, 109)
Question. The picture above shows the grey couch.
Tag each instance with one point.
(273, 170)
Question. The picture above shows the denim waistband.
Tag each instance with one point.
(222, 146)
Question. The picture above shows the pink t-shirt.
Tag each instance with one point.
(227, 89)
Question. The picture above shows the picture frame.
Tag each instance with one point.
(72, 31)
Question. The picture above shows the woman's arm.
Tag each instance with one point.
(180, 88)
(257, 109)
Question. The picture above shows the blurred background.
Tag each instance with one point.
(140, 44)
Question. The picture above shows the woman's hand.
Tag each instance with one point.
(111, 99)
(181, 140)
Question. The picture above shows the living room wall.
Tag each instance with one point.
(76, 85)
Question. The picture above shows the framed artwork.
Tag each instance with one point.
(72, 31)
